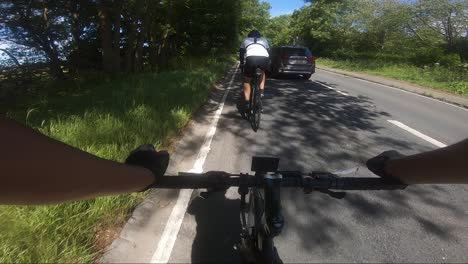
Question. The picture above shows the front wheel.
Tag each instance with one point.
(270, 253)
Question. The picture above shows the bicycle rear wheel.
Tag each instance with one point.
(255, 104)
(257, 111)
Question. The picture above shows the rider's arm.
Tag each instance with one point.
(35, 169)
(242, 52)
(444, 165)
(241, 55)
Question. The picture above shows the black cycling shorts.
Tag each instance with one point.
(253, 62)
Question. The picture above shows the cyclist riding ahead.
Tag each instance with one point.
(254, 50)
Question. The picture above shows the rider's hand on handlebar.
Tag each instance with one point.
(378, 164)
(147, 157)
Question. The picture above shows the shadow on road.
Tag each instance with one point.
(311, 127)
(218, 228)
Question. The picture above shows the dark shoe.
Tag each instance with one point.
(246, 106)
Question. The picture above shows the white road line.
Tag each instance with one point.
(397, 89)
(324, 85)
(331, 88)
(169, 236)
(417, 133)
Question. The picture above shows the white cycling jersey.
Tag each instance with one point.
(255, 47)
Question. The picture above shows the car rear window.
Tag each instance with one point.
(296, 52)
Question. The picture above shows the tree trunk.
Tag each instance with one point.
(56, 68)
(153, 49)
(162, 58)
(450, 42)
(116, 37)
(76, 33)
(141, 39)
(106, 39)
(130, 49)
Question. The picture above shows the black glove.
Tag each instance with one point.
(377, 164)
(147, 157)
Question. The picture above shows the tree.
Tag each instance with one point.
(109, 27)
(134, 35)
(254, 15)
(445, 17)
(37, 24)
(278, 31)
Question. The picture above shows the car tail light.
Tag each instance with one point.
(284, 57)
(311, 59)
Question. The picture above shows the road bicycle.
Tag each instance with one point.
(260, 203)
(255, 105)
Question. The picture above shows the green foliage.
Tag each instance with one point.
(124, 36)
(278, 31)
(59, 233)
(450, 60)
(348, 54)
(254, 15)
(408, 28)
(107, 117)
(427, 55)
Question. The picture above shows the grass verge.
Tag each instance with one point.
(107, 117)
(440, 78)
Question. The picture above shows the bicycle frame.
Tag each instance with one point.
(261, 217)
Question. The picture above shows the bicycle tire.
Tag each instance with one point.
(266, 250)
(249, 250)
(258, 110)
(255, 104)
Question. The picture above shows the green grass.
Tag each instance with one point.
(108, 117)
(440, 78)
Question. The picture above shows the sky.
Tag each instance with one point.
(282, 7)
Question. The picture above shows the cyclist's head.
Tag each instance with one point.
(254, 34)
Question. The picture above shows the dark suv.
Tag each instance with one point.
(292, 60)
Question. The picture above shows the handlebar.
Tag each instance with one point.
(319, 181)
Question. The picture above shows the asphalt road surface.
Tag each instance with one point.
(332, 123)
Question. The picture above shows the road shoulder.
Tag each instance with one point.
(417, 89)
(140, 235)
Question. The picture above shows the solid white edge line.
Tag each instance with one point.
(397, 89)
(418, 134)
(165, 245)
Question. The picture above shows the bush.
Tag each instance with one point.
(383, 58)
(450, 60)
(425, 56)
